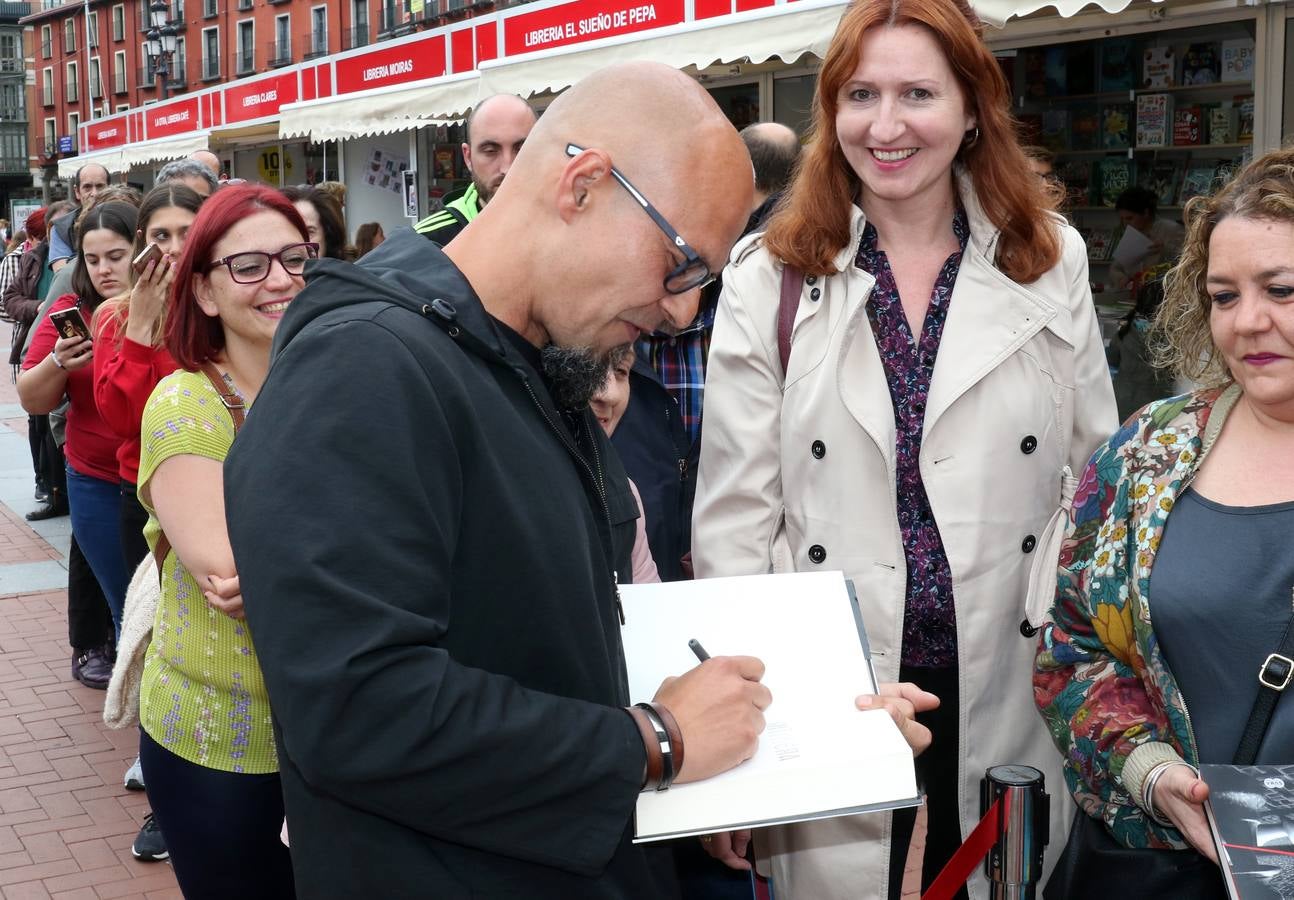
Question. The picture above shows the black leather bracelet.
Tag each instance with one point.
(666, 747)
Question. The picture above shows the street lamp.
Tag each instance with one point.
(160, 42)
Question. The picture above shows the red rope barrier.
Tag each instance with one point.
(968, 856)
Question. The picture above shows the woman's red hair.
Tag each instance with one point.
(812, 225)
(192, 336)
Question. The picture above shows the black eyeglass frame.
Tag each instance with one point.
(312, 252)
(675, 283)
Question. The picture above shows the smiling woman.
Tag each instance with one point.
(215, 790)
(915, 425)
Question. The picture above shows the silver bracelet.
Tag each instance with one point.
(1148, 790)
(54, 356)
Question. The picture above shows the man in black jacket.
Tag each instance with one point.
(425, 518)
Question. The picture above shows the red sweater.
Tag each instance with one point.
(91, 446)
(125, 373)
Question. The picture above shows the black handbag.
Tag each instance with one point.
(1094, 866)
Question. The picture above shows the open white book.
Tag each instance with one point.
(819, 756)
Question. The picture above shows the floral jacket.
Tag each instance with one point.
(1100, 679)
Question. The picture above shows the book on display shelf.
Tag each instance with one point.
(1198, 180)
(1085, 127)
(1100, 242)
(1188, 126)
(1162, 178)
(1080, 69)
(1238, 60)
(1245, 118)
(1222, 124)
(1158, 67)
(1076, 175)
(1117, 64)
(1115, 121)
(1154, 120)
(1251, 818)
(1055, 130)
(1116, 177)
(1200, 64)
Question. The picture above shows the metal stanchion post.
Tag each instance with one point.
(1014, 864)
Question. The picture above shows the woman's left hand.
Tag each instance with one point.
(903, 700)
(225, 595)
(148, 297)
(1179, 795)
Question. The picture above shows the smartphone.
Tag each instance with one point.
(148, 254)
(70, 323)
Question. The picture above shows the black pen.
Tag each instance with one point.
(696, 647)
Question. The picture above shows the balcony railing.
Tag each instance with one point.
(210, 69)
(317, 41)
(11, 67)
(16, 11)
(355, 37)
(244, 62)
(146, 77)
(176, 78)
(47, 96)
(119, 82)
(280, 52)
(73, 92)
(46, 49)
(12, 115)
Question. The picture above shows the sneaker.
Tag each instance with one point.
(150, 845)
(93, 668)
(135, 776)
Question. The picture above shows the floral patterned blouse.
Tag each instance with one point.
(929, 624)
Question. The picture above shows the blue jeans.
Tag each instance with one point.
(96, 522)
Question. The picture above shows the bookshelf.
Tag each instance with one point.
(1172, 111)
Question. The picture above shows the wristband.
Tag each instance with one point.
(669, 744)
(1148, 790)
(654, 765)
(54, 356)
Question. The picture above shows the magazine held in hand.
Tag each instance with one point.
(819, 756)
(1251, 815)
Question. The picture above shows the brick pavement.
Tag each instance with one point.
(66, 822)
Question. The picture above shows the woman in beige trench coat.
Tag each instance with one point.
(988, 339)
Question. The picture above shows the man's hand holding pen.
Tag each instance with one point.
(719, 707)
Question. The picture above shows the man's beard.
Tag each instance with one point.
(483, 191)
(574, 375)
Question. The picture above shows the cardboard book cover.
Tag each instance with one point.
(1116, 177)
(1154, 114)
(1162, 177)
(1055, 130)
(1222, 124)
(1116, 121)
(1198, 180)
(1085, 127)
(1238, 60)
(1188, 126)
(1245, 118)
(1158, 67)
(1118, 64)
(1200, 64)
(1076, 175)
(1100, 241)
(1251, 815)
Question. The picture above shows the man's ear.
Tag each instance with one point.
(577, 182)
(467, 156)
(202, 293)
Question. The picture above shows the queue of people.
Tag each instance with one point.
(455, 458)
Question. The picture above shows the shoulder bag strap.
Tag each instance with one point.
(236, 407)
(1274, 676)
(787, 306)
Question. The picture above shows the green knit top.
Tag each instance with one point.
(203, 696)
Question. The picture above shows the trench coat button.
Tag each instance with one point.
(1028, 543)
(815, 294)
(1029, 444)
(817, 553)
(1026, 629)
(818, 449)
(811, 280)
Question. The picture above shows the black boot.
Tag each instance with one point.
(52, 508)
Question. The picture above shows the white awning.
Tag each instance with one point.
(162, 149)
(109, 159)
(996, 12)
(787, 32)
(381, 111)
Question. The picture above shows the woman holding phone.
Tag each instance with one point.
(215, 791)
(57, 365)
